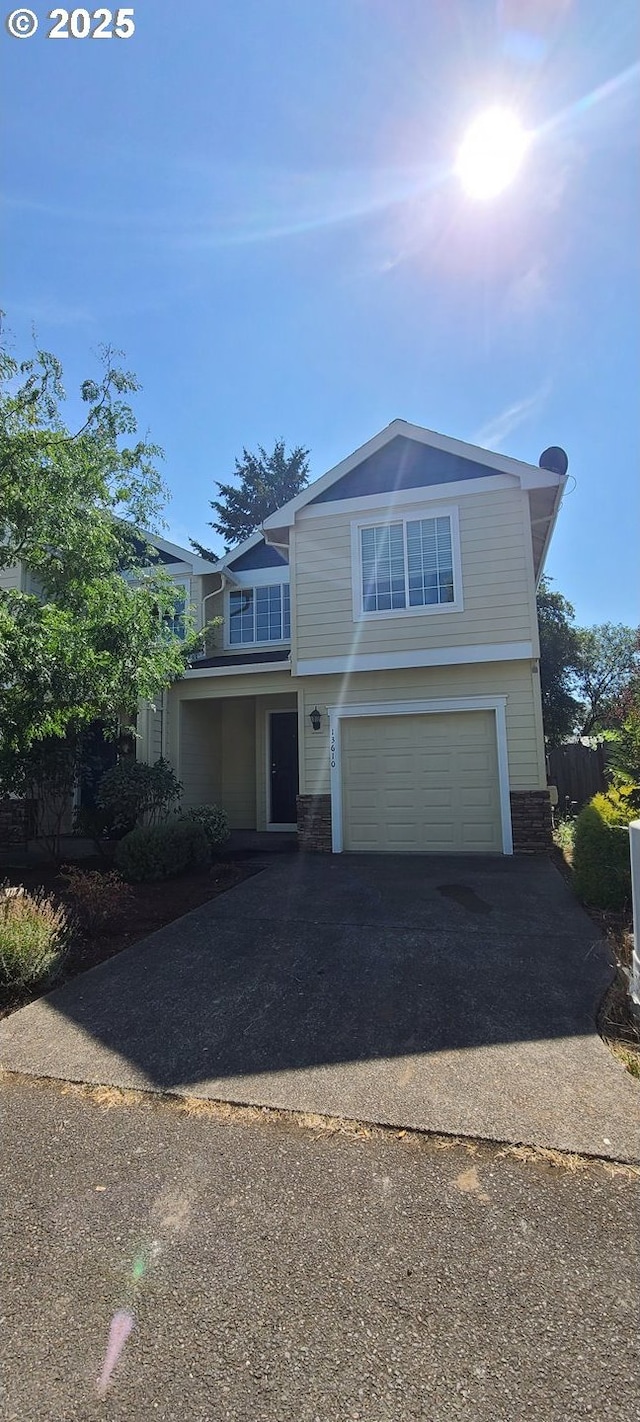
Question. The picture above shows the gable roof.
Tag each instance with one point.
(253, 552)
(402, 463)
(409, 452)
(173, 553)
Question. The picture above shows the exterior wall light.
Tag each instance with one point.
(315, 718)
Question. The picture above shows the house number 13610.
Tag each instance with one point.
(333, 751)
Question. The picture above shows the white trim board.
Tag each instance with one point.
(436, 707)
(234, 671)
(434, 657)
(261, 577)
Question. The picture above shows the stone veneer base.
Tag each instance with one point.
(314, 823)
(531, 821)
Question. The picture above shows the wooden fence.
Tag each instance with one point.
(579, 773)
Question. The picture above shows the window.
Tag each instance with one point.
(177, 622)
(408, 564)
(259, 615)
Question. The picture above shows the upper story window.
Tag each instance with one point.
(408, 565)
(259, 614)
(182, 605)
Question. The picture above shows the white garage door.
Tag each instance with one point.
(421, 784)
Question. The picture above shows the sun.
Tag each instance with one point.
(491, 153)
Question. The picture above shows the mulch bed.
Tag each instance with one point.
(149, 907)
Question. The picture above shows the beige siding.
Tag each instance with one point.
(515, 680)
(238, 752)
(149, 729)
(224, 696)
(200, 751)
(499, 605)
(217, 757)
(216, 738)
(216, 761)
(10, 578)
(258, 683)
(207, 608)
(214, 612)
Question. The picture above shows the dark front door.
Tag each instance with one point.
(283, 778)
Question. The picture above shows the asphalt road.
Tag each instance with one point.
(278, 1272)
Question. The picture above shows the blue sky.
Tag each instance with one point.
(255, 200)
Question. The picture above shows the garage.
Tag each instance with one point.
(420, 784)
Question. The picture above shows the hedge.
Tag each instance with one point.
(601, 858)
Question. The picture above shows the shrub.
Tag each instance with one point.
(162, 851)
(213, 820)
(564, 834)
(98, 899)
(133, 791)
(34, 935)
(601, 860)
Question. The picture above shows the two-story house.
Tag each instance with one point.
(374, 677)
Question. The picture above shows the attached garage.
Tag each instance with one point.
(418, 782)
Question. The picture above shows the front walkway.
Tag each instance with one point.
(447, 994)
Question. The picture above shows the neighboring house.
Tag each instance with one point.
(374, 680)
(17, 816)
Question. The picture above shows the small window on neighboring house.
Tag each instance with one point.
(177, 621)
(407, 564)
(259, 614)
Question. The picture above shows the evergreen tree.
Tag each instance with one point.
(264, 483)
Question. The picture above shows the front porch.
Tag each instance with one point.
(240, 752)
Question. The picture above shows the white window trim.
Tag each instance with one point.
(229, 646)
(337, 714)
(272, 826)
(405, 516)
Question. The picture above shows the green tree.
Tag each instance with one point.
(623, 760)
(265, 483)
(560, 653)
(608, 667)
(88, 632)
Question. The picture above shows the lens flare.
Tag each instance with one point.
(122, 1324)
(491, 153)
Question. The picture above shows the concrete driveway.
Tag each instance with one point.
(447, 994)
